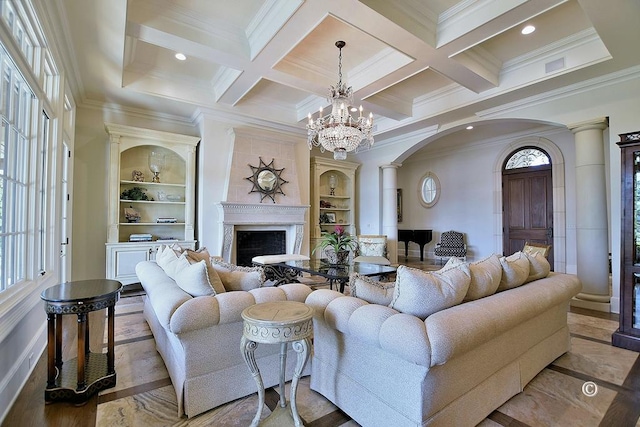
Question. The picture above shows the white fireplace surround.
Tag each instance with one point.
(261, 217)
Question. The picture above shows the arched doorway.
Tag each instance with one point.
(527, 199)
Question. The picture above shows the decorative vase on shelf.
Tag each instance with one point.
(156, 164)
(333, 183)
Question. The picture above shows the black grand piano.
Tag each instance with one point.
(421, 237)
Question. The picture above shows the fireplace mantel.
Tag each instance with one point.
(258, 216)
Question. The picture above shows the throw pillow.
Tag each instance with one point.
(202, 254)
(370, 290)
(194, 280)
(167, 259)
(538, 266)
(515, 270)
(237, 278)
(423, 293)
(485, 276)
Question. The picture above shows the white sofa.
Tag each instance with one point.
(199, 339)
(387, 368)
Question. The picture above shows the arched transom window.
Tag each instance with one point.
(527, 157)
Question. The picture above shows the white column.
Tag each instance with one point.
(592, 237)
(389, 210)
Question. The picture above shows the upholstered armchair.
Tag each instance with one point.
(372, 249)
(451, 244)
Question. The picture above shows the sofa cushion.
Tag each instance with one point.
(194, 280)
(202, 254)
(237, 278)
(370, 290)
(423, 293)
(515, 271)
(538, 266)
(485, 276)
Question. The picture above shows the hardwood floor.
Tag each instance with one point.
(592, 359)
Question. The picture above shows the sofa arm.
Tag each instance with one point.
(207, 311)
(400, 334)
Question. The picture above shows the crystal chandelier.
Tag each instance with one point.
(338, 132)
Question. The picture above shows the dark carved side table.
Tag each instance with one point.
(88, 372)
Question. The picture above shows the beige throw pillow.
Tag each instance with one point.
(515, 270)
(485, 276)
(237, 278)
(202, 254)
(194, 280)
(423, 293)
(370, 290)
(538, 266)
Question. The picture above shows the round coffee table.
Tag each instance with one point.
(281, 323)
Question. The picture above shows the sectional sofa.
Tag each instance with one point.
(439, 349)
(195, 316)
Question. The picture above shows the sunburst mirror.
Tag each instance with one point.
(266, 180)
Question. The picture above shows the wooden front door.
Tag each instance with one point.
(527, 201)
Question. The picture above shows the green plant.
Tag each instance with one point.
(135, 193)
(338, 239)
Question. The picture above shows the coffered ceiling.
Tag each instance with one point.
(414, 63)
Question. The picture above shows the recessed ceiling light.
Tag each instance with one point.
(354, 109)
(469, 127)
(180, 56)
(528, 29)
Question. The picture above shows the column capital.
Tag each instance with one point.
(600, 123)
(391, 165)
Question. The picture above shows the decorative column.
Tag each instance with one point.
(592, 239)
(389, 209)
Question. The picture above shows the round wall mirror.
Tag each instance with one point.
(267, 180)
(429, 189)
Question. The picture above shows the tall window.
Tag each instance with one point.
(17, 121)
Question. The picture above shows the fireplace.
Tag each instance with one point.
(261, 242)
(236, 217)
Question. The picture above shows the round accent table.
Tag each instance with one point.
(281, 323)
(89, 372)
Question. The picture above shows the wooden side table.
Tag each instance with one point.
(88, 372)
(281, 323)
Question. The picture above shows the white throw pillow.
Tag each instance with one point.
(485, 276)
(194, 280)
(370, 290)
(423, 293)
(538, 266)
(202, 254)
(237, 278)
(515, 270)
(167, 259)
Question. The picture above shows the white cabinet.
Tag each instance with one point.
(140, 208)
(332, 196)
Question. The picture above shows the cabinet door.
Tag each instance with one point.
(631, 309)
(125, 260)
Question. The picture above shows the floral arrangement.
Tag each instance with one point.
(338, 239)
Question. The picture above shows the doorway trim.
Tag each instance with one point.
(559, 204)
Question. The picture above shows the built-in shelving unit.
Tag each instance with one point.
(170, 199)
(330, 208)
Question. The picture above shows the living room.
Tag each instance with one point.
(414, 67)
